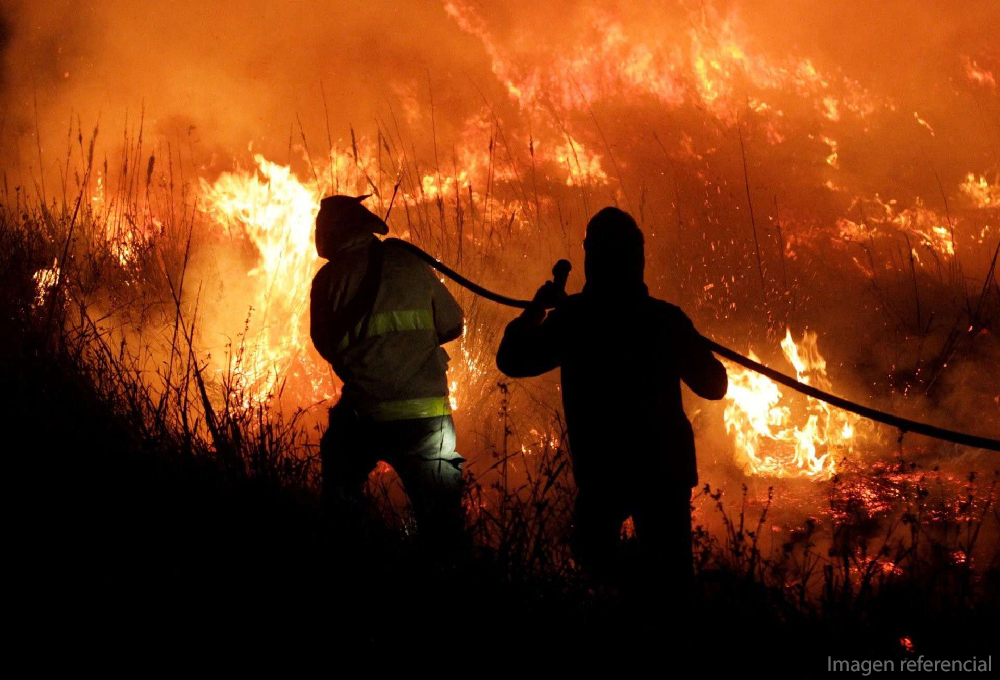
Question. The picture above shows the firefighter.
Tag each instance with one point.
(379, 316)
(623, 355)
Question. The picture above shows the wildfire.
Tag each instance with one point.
(980, 191)
(44, 280)
(582, 166)
(270, 208)
(931, 230)
(707, 65)
(776, 437)
(703, 64)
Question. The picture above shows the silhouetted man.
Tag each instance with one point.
(623, 355)
(379, 316)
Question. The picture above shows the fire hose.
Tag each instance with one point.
(560, 274)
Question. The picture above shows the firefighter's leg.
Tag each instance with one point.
(431, 472)
(663, 530)
(347, 457)
(596, 534)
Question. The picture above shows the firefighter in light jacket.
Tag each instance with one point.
(379, 316)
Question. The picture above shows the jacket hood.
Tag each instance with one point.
(343, 223)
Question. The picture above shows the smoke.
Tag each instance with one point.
(235, 72)
(241, 71)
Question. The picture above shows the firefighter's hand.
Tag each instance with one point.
(549, 295)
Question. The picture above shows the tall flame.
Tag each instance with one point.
(275, 211)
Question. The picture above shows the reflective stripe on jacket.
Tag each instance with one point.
(391, 361)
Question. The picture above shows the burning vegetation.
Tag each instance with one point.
(771, 439)
(793, 194)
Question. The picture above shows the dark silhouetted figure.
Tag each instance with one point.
(380, 316)
(623, 355)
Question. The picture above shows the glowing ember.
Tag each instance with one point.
(776, 437)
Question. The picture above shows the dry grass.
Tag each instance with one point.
(196, 486)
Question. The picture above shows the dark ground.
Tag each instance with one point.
(125, 547)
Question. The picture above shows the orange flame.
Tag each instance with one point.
(776, 438)
(44, 280)
(275, 211)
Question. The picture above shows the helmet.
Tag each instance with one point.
(341, 219)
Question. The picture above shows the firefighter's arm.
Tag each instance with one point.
(449, 320)
(700, 370)
(531, 344)
(320, 313)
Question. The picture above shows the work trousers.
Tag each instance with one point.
(420, 450)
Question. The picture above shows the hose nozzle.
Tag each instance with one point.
(560, 274)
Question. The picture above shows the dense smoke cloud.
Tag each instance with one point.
(235, 71)
(241, 71)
